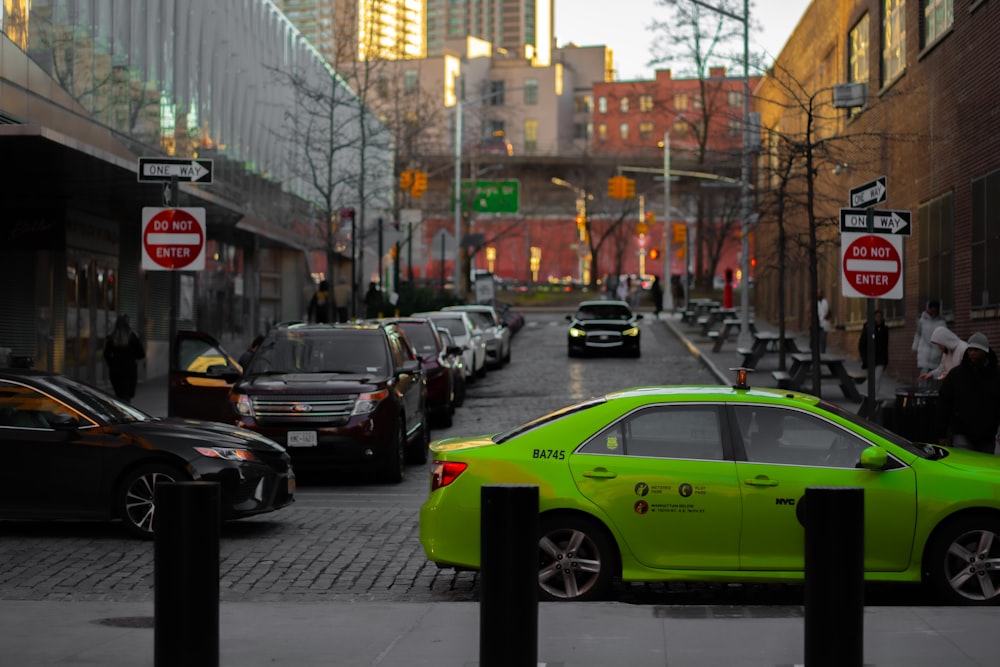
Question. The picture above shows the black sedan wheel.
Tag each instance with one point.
(576, 559)
(137, 497)
(964, 564)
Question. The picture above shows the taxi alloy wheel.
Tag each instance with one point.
(576, 559)
(137, 497)
(965, 562)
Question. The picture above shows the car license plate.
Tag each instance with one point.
(302, 438)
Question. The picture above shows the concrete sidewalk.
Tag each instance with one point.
(399, 634)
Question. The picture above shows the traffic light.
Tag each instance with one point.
(581, 222)
(628, 191)
(406, 180)
(654, 253)
(616, 187)
(419, 183)
(650, 219)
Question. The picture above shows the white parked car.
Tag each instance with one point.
(466, 335)
(496, 333)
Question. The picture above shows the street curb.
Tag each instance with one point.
(705, 361)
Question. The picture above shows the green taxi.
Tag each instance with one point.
(703, 483)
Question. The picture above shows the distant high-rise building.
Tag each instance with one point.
(386, 29)
(507, 24)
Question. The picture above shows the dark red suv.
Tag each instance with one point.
(338, 396)
(433, 354)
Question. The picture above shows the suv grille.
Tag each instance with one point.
(304, 409)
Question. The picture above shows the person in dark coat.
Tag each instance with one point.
(969, 398)
(656, 292)
(320, 306)
(247, 355)
(881, 347)
(122, 352)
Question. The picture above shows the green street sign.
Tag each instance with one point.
(493, 196)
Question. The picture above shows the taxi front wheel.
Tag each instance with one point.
(576, 559)
(964, 565)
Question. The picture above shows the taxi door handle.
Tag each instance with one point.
(761, 481)
(601, 473)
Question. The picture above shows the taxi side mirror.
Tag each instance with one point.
(873, 458)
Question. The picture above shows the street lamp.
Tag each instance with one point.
(583, 238)
(668, 278)
(744, 337)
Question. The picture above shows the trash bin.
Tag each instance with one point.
(916, 413)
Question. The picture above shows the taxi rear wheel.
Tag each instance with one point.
(964, 565)
(576, 559)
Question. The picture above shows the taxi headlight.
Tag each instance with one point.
(576, 333)
(633, 331)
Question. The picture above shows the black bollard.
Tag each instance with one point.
(187, 524)
(834, 577)
(508, 607)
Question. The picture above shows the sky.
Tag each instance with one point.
(621, 25)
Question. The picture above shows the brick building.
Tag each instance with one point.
(932, 73)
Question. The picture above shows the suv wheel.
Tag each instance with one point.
(418, 453)
(392, 469)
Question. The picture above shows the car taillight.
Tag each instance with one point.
(444, 473)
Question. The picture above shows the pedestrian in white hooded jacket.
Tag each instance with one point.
(928, 354)
(952, 350)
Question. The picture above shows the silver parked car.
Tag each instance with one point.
(496, 333)
(471, 339)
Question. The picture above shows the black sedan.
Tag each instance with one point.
(603, 327)
(71, 451)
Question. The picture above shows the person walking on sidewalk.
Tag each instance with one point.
(122, 352)
(825, 320)
(881, 347)
(656, 292)
(969, 398)
(928, 354)
(952, 350)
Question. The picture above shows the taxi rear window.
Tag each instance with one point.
(545, 419)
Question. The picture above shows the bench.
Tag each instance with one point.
(783, 378)
(859, 377)
(747, 354)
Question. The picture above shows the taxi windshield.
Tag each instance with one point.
(922, 449)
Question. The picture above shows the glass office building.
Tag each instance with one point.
(87, 87)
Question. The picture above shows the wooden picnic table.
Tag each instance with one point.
(764, 342)
(728, 328)
(715, 316)
(801, 371)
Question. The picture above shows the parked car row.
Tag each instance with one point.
(344, 397)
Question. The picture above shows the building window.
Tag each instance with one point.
(938, 17)
(645, 103)
(531, 91)
(530, 136)
(623, 131)
(411, 82)
(859, 52)
(581, 130)
(582, 104)
(623, 105)
(679, 128)
(645, 130)
(935, 270)
(893, 39)
(735, 99)
(734, 126)
(602, 132)
(497, 93)
(985, 239)
(858, 56)
(602, 104)
(680, 102)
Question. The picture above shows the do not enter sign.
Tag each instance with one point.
(173, 239)
(872, 266)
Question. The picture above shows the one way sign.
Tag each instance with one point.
(886, 222)
(187, 170)
(869, 194)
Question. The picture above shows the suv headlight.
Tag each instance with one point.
(367, 403)
(633, 331)
(576, 333)
(244, 406)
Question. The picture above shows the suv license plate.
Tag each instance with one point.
(302, 438)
